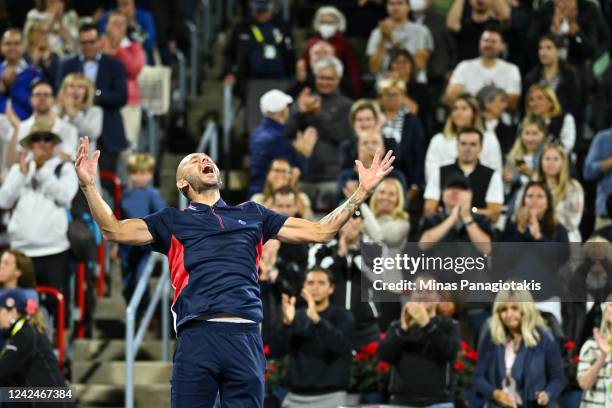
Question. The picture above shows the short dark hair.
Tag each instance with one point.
(285, 190)
(553, 38)
(495, 27)
(471, 129)
(41, 81)
(88, 27)
(330, 276)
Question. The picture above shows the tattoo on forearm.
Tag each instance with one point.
(341, 214)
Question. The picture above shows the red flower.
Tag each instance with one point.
(361, 357)
(464, 346)
(471, 355)
(382, 336)
(266, 350)
(266, 376)
(576, 359)
(459, 366)
(271, 367)
(569, 345)
(382, 367)
(370, 349)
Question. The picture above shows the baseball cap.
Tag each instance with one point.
(458, 181)
(274, 101)
(261, 5)
(13, 299)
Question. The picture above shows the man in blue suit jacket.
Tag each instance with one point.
(110, 81)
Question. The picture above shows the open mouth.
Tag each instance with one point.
(208, 169)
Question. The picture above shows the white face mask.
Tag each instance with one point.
(327, 30)
(418, 5)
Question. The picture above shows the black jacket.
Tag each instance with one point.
(421, 360)
(588, 44)
(27, 359)
(569, 91)
(319, 354)
(111, 96)
(237, 54)
(350, 285)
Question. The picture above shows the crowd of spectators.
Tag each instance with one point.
(493, 110)
(499, 115)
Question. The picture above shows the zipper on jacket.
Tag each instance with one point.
(218, 218)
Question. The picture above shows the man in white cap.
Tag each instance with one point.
(269, 141)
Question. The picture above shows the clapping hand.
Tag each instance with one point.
(288, 308)
(311, 311)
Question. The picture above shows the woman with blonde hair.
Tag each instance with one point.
(75, 104)
(519, 362)
(567, 193)
(385, 219)
(542, 101)
(594, 373)
(522, 160)
(442, 149)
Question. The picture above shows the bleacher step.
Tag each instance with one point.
(97, 395)
(113, 372)
(98, 350)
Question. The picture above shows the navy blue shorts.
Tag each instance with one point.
(218, 357)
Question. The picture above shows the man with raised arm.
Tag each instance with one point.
(213, 250)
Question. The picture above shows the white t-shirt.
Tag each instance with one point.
(474, 76)
(410, 36)
(68, 133)
(442, 151)
(495, 190)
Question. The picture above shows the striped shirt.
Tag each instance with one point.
(596, 396)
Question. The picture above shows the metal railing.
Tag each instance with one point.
(152, 133)
(61, 311)
(193, 58)
(133, 337)
(209, 144)
(181, 95)
(229, 115)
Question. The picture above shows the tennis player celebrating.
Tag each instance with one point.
(213, 250)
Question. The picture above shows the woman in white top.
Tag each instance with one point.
(595, 367)
(542, 101)
(568, 196)
(442, 149)
(75, 105)
(385, 219)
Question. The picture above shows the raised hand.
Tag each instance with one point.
(24, 163)
(369, 178)
(311, 311)
(86, 167)
(288, 307)
(602, 341)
